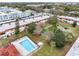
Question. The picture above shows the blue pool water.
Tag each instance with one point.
(27, 45)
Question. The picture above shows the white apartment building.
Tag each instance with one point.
(8, 19)
(68, 19)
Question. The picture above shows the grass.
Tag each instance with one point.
(77, 30)
(46, 49)
(74, 29)
(5, 42)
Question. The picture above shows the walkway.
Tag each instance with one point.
(74, 51)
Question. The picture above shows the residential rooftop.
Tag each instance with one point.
(74, 50)
(71, 18)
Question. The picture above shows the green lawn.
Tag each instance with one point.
(46, 49)
(5, 42)
(74, 29)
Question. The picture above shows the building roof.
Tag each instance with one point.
(11, 13)
(9, 50)
(46, 10)
(35, 5)
(71, 18)
(74, 50)
(29, 11)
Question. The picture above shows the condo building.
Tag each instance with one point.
(8, 18)
(68, 19)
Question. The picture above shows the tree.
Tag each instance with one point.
(53, 21)
(31, 27)
(69, 37)
(59, 38)
(38, 29)
(67, 8)
(17, 27)
(74, 24)
(31, 14)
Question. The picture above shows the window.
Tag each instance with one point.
(9, 23)
(0, 25)
(23, 20)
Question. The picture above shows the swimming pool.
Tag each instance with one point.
(27, 45)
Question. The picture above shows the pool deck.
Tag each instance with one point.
(21, 49)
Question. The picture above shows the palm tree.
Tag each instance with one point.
(53, 21)
(74, 24)
(17, 26)
(31, 28)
